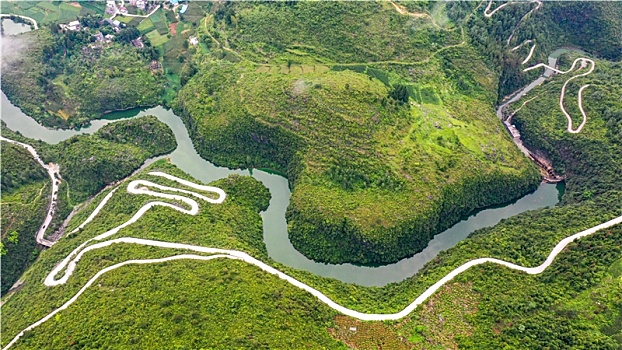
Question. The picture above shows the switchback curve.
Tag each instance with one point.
(584, 61)
(138, 187)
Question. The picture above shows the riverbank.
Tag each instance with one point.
(275, 229)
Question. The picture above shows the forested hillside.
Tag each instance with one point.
(72, 79)
(25, 198)
(360, 142)
(381, 115)
(87, 164)
(593, 26)
(591, 159)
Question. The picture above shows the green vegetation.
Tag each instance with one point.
(87, 163)
(327, 31)
(225, 299)
(72, 80)
(159, 22)
(591, 160)
(25, 198)
(90, 162)
(354, 146)
(22, 168)
(357, 159)
(592, 26)
(504, 305)
(46, 12)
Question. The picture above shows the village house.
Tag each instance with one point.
(141, 4)
(99, 36)
(73, 26)
(138, 43)
(193, 41)
(114, 23)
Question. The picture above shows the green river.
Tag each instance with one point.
(275, 227)
(274, 224)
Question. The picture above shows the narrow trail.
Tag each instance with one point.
(34, 23)
(489, 14)
(53, 173)
(403, 11)
(142, 187)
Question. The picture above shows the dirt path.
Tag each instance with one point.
(403, 11)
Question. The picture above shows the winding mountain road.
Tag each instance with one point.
(584, 62)
(548, 69)
(68, 265)
(142, 187)
(489, 14)
(53, 172)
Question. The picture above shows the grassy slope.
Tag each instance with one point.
(334, 31)
(499, 297)
(592, 26)
(25, 197)
(576, 303)
(356, 159)
(232, 294)
(47, 12)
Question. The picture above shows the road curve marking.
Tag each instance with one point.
(137, 187)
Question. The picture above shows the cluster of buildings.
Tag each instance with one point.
(175, 3)
(103, 38)
(140, 4)
(112, 8)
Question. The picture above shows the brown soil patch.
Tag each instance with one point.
(367, 335)
(173, 28)
(62, 113)
(446, 314)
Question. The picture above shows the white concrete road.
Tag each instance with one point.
(53, 172)
(142, 187)
(34, 23)
(583, 63)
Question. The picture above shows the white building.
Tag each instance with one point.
(74, 26)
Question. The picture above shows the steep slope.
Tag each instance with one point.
(25, 197)
(381, 155)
